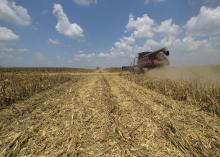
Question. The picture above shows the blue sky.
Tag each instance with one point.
(90, 33)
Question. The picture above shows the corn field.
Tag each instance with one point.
(14, 87)
(207, 95)
(108, 112)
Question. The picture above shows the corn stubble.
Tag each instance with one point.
(107, 114)
(193, 91)
(14, 87)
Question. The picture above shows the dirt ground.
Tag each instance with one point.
(106, 115)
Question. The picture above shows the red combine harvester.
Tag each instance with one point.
(153, 59)
(149, 60)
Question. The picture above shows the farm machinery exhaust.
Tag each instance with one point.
(149, 60)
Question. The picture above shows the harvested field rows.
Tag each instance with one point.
(106, 115)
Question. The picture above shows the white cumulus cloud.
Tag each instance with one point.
(53, 41)
(124, 45)
(13, 13)
(64, 26)
(141, 26)
(168, 27)
(85, 2)
(154, 1)
(120, 54)
(7, 34)
(207, 22)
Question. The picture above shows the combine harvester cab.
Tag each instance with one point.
(150, 60)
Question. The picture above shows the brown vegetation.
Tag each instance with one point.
(113, 69)
(107, 114)
(18, 87)
(198, 86)
(44, 70)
